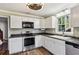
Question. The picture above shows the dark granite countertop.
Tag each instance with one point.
(27, 35)
(34, 34)
(74, 39)
(65, 35)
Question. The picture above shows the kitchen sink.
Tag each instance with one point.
(60, 37)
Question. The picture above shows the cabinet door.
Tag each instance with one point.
(38, 41)
(42, 23)
(15, 45)
(31, 19)
(49, 44)
(59, 47)
(25, 19)
(43, 40)
(54, 22)
(28, 19)
(48, 22)
(55, 46)
(37, 23)
(46, 42)
(15, 22)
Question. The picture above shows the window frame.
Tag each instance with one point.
(60, 32)
(63, 23)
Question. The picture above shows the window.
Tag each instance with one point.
(63, 22)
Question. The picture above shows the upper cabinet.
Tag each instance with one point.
(54, 22)
(37, 23)
(28, 19)
(15, 21)
(75, 16)
(43, 23)
(47, 22)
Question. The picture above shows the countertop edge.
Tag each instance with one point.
(49, 34)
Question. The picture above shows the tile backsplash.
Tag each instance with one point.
(19, 31)
(76, 31)
(51, 31)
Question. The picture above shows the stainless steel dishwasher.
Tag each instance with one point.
(72, 48)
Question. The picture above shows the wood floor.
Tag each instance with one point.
(4, 52)
(37, 51)
(4, 48)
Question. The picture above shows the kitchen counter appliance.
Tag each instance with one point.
(27, 24)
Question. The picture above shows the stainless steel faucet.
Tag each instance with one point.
(63, 32)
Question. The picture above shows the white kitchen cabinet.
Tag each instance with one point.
(15, 21)
(75, 16)
(37, 23)
(49, 44)
(38, 41)
(55, 46)
(25, 19)
(15, 45)
(28, 19)
(46, 22)
(59, 47)
(31, 19)
(54, 22)
(43, 23)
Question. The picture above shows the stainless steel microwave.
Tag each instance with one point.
(27, 24)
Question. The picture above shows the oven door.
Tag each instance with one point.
(29, 41)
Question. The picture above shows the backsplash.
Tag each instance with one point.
(76, 31)
(51, 31)
(19, 31)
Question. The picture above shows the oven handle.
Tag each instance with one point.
(73, 44)
(29, 37)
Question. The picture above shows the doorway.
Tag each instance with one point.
(3, 35)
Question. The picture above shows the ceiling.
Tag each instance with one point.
(47, 10)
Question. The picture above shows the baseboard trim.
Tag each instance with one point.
(33, 49)
(48, 50)
(24, 51)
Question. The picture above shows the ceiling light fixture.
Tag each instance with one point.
(35, 6)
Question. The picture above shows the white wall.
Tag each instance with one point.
(3, 27)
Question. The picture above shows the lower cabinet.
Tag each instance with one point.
(59, 47)
(49, 44)
(55, 46)
(38, 41)
(15, 45)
